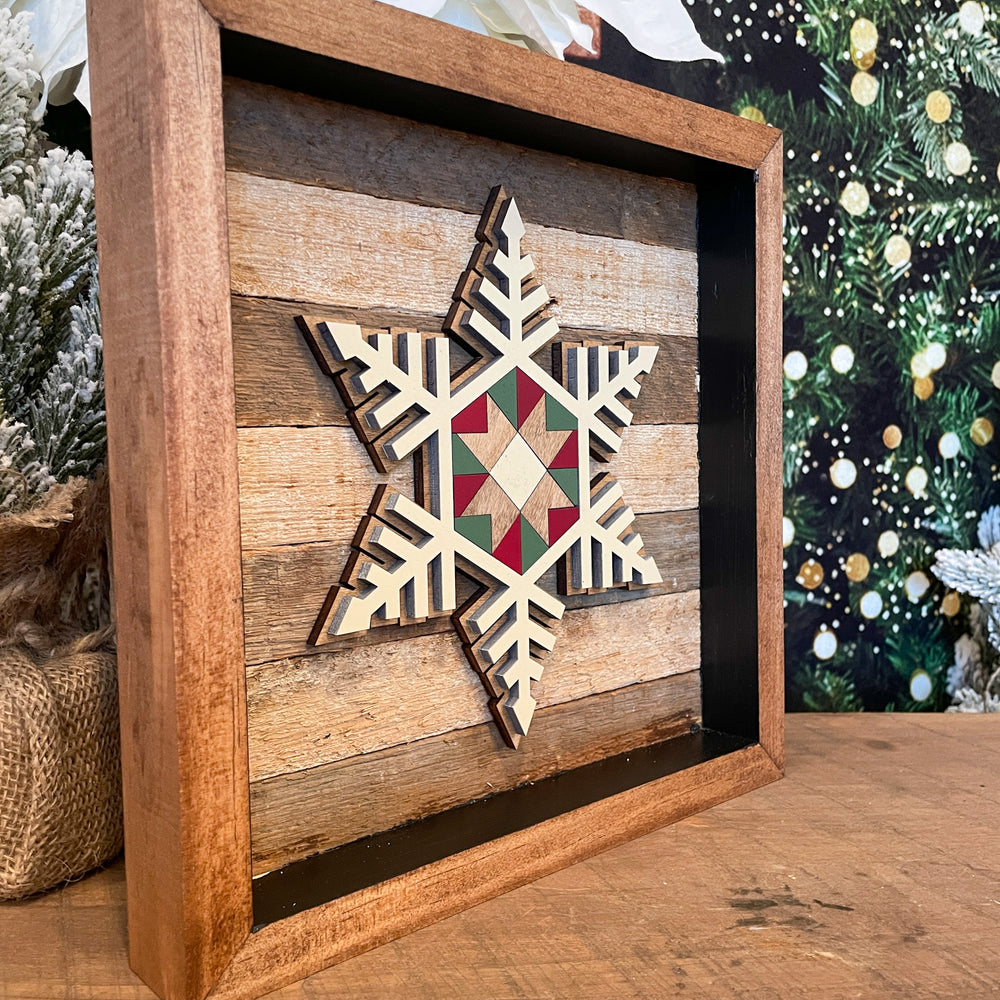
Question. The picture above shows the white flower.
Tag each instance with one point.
(659, 28)
(58, 31)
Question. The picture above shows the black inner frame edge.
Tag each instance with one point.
(727, 477)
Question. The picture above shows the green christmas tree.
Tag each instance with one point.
(892, 334)
(51, 382)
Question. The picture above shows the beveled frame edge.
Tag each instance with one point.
(172, 450)
(770, 575)
(163, 253)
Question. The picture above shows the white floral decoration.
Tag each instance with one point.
(58, 31)
(662, 29)
(659, 28)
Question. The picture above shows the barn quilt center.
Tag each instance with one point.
(515, 459)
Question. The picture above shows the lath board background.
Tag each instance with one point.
(354, 215)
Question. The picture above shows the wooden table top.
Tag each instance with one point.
(872, 870)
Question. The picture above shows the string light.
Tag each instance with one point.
(857, 567)
(795, 366)
(921, 685)
(951, 604)
(855, 198)
(842, 359)
(949, 445)
(888, 544)
(892, 437)
(897, 251)
(864, 88)
(843, 473)
(938, 106)
(971, 17)
(871, 604)
(825, 645)
(957, 158)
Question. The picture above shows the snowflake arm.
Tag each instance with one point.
(396, 405)
(599, 377)
(498, 305)
(506, 638)
(609, 554)
(396, 573)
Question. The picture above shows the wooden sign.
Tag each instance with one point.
(444, 418)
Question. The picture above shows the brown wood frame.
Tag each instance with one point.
(158, 150)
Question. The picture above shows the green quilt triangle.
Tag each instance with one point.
(478, 528)
(557, 417)
(569, 483)
(533, 546)
(504, 394)
(463, 462)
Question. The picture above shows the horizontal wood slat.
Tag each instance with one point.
(311, 484)
(275, 133)
(295, 815)
(290, 241)
(279, 383)
(313, 710)
(284, 587)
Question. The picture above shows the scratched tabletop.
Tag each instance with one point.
(872, 870)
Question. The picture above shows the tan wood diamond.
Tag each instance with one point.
(503, 453)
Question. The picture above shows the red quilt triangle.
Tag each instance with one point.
(561, 519)
(466, 487)
(474, 419)
(509, 549)
(567, 457)
(528, 395)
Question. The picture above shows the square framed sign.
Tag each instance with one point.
(443, 386)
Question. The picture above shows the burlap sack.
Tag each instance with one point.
(60, 770)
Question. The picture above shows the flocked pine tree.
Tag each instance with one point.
(974, 679)
(51, 382)
(892, 327)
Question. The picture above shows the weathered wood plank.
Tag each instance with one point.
(353, 149)
(305, 484)
(310, 484)
(290, 241)
(313, 710)
(295, 815)
(284, 588)
(279, 383)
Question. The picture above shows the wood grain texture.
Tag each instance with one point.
(854, 897)
(291, 241)
(307, 484)
(307, 941)
(311, 484)
(354, 149)
(454, 59)
(295, 815)
(770, 613)
(284, 587)
(279, 383)
(172, 452)
(313, 710)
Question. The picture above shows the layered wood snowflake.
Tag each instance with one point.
(502, 451)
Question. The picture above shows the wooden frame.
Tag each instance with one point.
(157, 67)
